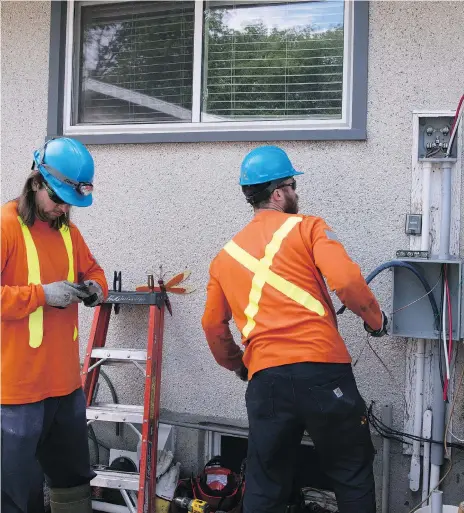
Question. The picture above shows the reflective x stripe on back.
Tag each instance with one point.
(33, 277)
(263, 275)
(66, 234)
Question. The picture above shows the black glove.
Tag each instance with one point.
(380, 332)
(242, 372)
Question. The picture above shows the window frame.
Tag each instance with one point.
(62, 74)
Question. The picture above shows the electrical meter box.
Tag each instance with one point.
(414, 317)
(434, 137)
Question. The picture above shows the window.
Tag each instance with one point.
(210, 70)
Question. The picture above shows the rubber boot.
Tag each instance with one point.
(71, 500)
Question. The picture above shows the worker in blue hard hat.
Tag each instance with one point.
(47, 270)
(270, 279)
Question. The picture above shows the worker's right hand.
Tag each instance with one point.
(63, 293)
(381, 331)
(242, 372)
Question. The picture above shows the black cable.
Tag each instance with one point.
(413, 269)
(114, 395)
(399, 436)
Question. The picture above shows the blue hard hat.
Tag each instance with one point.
(68, 168)
(265, 164)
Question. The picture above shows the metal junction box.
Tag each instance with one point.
(417, 320)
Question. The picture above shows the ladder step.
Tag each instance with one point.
(116, 480)
(120, 355)
(116, 413)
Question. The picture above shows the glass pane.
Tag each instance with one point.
(272, 60)
(136, 63)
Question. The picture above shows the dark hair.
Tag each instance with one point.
(257, 195)
(27, 208)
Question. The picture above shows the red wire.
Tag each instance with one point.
(450, 324)
(456, 116)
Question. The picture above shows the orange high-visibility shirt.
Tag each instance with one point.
(269, 278)
(30, 374)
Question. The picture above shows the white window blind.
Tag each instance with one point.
(273, 60)
(135, 62)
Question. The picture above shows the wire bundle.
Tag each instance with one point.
(400, 436)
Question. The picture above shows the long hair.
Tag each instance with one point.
(27, 208)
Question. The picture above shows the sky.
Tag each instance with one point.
(322, 16)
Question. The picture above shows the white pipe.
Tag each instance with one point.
(108, 507)
(425, 238)
(414, 473)
(437, 502)
(387, 420)
(445, 222)
(434, 476)
(426, 433)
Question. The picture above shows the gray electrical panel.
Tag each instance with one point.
(434, 136)
(418, 320)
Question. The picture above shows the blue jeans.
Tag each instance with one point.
(321, 398)
(52, 431)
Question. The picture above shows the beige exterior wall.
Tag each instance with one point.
(177, 204)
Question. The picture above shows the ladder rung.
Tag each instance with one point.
(120, 355)
(116, 413)
(117, 480)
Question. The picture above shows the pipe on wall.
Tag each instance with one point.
(414, 473)
(426, 433)
(426, 175)
(445, 221)
(387, 420)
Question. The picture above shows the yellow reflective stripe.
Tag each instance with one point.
(66, 234)
(260, 277)
(33, 266)
(33, 277)
(33, 269)
(264, 275)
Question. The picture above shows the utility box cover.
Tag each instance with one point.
(417, 320)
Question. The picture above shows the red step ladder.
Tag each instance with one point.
(149, 361)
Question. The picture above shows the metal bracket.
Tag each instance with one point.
(117, 286)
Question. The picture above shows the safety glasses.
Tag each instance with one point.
(291, 184)
(52, 195)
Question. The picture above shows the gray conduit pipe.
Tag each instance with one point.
(445, 221)
(438, 424)
(437, 502)
(387, 420)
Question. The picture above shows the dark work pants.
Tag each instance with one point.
(54, 432)
(322, 399)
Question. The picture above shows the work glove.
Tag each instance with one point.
(380, 332)
(242, 372)
(95, 293)
(61, 294)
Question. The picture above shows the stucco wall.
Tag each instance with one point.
(177, 204)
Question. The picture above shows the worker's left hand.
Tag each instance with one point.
(94, 288)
